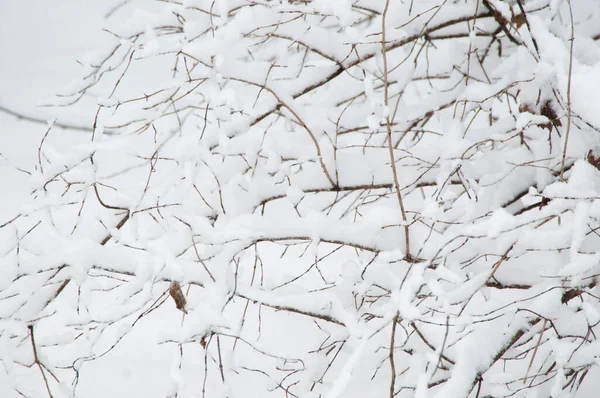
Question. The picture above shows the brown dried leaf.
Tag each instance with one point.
(518, 20)
(548, 111)
(525, 107)
(594, 161)
(177, 294)
(570, 294)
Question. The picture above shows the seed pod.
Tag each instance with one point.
(177, 294)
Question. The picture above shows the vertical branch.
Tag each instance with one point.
(389, 131)
(220, 359)
(564, 156)
(439, 363)
(37, 360)
(243, 320)
(469, 51)
(392, 364)
(535, 351)
(205, 366)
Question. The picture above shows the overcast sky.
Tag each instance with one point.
(40, 42)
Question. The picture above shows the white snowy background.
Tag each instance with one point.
(40, 42)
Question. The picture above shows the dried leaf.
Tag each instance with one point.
(570, 294)
(548, 111)
(518, 20)
(177, 294)
(593, 160)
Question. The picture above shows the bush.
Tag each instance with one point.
(343, 198)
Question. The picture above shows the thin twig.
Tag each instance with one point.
(37, 359)
(562, 164)
(392, 363)
(520, 3)
(36, 120)
(389, 132)
(535, 351)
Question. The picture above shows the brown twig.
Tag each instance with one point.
(392, 363)
(570, 76)
(537, 345)
(37, 360)
(389, 133)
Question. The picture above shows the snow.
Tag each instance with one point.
(245, 155)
